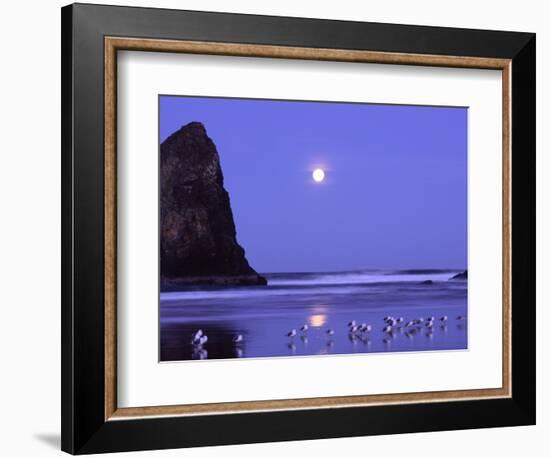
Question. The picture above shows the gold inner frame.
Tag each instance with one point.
(112, 45)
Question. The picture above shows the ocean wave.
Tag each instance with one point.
(311, 284)
(254, 292)
(360, 278)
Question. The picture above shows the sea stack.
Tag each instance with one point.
(460, 276)
(198, 243)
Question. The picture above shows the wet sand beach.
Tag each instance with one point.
(326, 303)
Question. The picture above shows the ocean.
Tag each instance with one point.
(325, 302)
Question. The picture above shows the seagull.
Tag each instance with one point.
(330, 332)
(202, 340)
(387, 329)
(292, 333)
(431, 318)
(399, 320)
(304, 328)
(352, 323)
(409, 324)
(443, 318)
(196, 337)
(365, 327)
(429, 324)
(460, 317)
(353, 329)
(238, 338)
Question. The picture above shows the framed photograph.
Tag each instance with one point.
(281, 228)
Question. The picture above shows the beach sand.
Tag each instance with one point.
(264, 316)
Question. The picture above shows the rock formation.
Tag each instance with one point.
(198, 243)
(460, 276)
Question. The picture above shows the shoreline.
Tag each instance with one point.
(172, 284)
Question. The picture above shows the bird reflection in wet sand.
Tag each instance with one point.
(200, 353)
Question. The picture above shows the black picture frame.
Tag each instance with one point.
(84, 428)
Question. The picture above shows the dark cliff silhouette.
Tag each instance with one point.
(198, 243)
(460, 276)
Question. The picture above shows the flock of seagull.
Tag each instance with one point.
(391, 325)
(199, 338)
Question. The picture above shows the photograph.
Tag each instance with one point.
(306, 228)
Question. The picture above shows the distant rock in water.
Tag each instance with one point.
(198, 243)
(460, 276)
(426, 282)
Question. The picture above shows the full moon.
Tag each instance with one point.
(318, 175)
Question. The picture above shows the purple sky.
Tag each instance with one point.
(395, 194)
